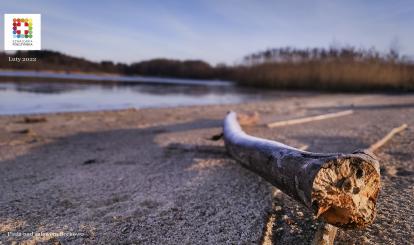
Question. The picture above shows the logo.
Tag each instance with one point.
(22, 32)
(22, 28)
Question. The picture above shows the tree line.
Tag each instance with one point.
(56, 61)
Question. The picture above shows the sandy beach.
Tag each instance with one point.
(153, 176)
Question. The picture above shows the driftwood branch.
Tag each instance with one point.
(386, 138)
(325, 233)
(310, 119)
(340, 189)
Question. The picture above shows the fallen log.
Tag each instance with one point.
(340, 189)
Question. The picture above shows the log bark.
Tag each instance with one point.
(340, 189)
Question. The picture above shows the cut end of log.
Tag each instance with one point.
(345, 190)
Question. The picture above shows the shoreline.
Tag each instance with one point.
(291, 94)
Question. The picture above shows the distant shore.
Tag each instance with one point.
(84, 77)
(333, 69)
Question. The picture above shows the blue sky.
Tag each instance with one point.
(215, 31)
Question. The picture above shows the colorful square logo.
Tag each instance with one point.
(22, 28)
(22, 31)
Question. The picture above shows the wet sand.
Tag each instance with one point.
(153, 175)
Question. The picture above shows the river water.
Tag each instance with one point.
(27, 97)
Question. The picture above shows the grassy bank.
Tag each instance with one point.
(345, 69)
(328, 75)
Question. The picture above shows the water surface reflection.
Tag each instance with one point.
(39, 97)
